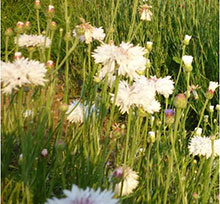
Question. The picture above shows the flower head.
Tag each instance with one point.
(187, 60)
(22, 72)
(187, 39)
(87, 32)
(130, 181)
(203, 146)
(75, 112)
(33, 41)
(198, 131)
(164, 86)
(87, 196)
(145, 12)
(212, 86)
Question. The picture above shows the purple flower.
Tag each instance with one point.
(169, 112)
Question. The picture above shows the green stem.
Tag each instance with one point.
(6, 48)
(127, 136)
(177, 119)
(38, 21)
(17, 40)
(181, 63)
(187, 81)
(202, 112)
(49, 51)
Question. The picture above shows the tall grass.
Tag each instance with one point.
(85, 154)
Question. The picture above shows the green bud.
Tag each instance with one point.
(180, 101)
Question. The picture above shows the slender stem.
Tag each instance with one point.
(202, 112)
(127, 135)
(6, 48)
(177, 120)
(181, 63)
(38, 21)
(134, 11)
(187, 81)
(49, 51)
(17, 40)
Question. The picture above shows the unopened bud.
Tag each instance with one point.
(186, 39)
(152, 118)
(212, 138)
(217, 107)
(19, 27)
(211, 109)
(53, 25)
(27, 26)
(195, 195)
(169, 116)
(9, 32)
(44, 153)
(21, 158)
(67, 36)
(50, 11)
(37, 4)
(195, 94)
(180, 101)
(63, 107)
(149, 45)
(198, 131)
(209, 94)
(96, 79)
(151, 135)
(148, 64)
(50, 64)
(18, 55)
(206, 118)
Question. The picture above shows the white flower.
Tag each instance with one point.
(145, 13)
(187, 37)
(130, 59)
(187, 60)
(28, 113)
(164, 86)
(89, 32)
(123, 99)
(211, 109)
(198, 131)
(202, 146)
(22, 72)
(98, 34)
(140, 94)
(106, 55)
(130, 182)
(33, 41)
(212, 86)
(75, 112)
(87, 196)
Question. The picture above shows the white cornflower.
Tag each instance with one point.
(87, 32)
(87, 196)
(98, 34)
(130, 59)
(203, 146)
(75, 112)
(145, 13)
(33, 41)
(164, 86)
(212, 86)
(123, 97)
(140, 94)
(106, 55)
(130, 181)
(28, 113)
(187, 60)
(22, 72)
(198, 131)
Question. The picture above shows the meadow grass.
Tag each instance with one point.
(85, 154)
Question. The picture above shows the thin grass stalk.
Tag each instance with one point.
(6, 48)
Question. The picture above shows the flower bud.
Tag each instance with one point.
(151, 135)
(17, 55)
(20, 159)
(152, 118)
(187, 60)
(148, 64)
(212, 137)
(60, 145)
(198, 131)
(9, 32)
(19, 27)
(169, 116)
(50, 64)
(27, 26)
(195, 94)
(195, 195)
(209, 94)
(217, 107)
(180, 101)
(117, 175)
(63, 107)
(53, 25)
(37, 4)
(149, 45)
(186, 39)
(50, 11)
(44, 153)
(211, 109)
(206, 118)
